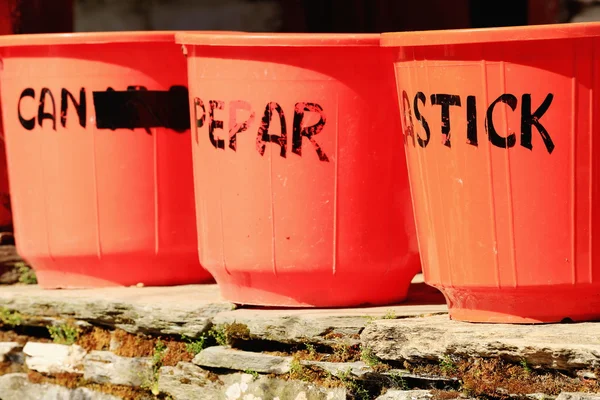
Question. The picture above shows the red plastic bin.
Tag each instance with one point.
(99, 156)
(302, 195)
(500, 129)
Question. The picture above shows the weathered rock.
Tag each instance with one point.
(578, 396)
(51, 358)
(406, 395)
(399, 378)
(190, 382)
(17, 387)
(224, 357)
(9, 273)
(587, 374)
(228, 358)
(245, 387)
(535, 396)
(558, 346)
(7, 348)
(182, 310)
(322, 326)
(187, 381)
(357, 369)
(106, 367)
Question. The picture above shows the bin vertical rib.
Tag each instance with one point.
(491, 178)
(96, 195)
(508, 177)
(573, 176)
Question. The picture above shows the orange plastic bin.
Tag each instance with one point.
(302, 194)
(100, 166)
(6, 223)
(500, 128)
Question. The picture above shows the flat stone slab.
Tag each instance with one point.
(181, 310)
(555, 346)
(227, 358)
(223, 357)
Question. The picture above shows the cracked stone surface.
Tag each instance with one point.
(326, 326)
(51, 358)
(17, 387)
(556, 346)
(106, 367)
(182, 310)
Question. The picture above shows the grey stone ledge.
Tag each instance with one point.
(182, 310)
(556, 346)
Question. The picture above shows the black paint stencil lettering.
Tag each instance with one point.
(497, 140)
(28, 124)
(42, 114)
(80, 106)
(423, 143)
(236, 127)
(199, 121)
(263, 137)
(472, 120)
(409, 127)
(145, 109)
(212, 125)
(528, 119)
(445, 100)
(308, 131)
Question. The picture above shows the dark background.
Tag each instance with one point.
(344, 16)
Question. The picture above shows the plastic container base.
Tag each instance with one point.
(118, 270)
(542, 305)
(311, 289)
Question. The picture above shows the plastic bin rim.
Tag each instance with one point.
(49, 39)
(279, 39)
(491, 35)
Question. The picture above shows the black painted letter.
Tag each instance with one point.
(80, 106)
(409, 128)
(199, 121)
(497, 140)
(264, 137)
(42, 114)
(308, 131)
(472, 120)
(238, 127)
(445, 100)
(528, 119)
(218, 143)
(422, 120)
(28, 124)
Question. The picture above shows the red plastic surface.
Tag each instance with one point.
(302, 195)
(99, 158)
(501, 128)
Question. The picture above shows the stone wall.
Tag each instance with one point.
(185, 342)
